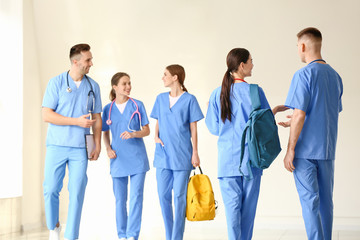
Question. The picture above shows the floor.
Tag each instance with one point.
(42, 234)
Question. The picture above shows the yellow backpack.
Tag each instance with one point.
(200, 198)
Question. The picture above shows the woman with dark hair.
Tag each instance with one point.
(127, 121)
(228, 111)
(176, 153)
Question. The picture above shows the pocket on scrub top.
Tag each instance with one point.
(159, 150)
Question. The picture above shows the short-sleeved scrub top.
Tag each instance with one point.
(131, 157)
(230, 133)
(70, 104)
(174, 130)
(317, 89)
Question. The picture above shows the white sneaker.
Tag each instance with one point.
(55, 234)
(132, 238)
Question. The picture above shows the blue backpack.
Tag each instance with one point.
(261, 134)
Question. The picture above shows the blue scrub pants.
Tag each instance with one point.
(240, 198)
(168, 180)
(314, 181)
(129, 226)
(57, 158)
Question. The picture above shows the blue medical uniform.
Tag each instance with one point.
(173, 160)
(239, 195)
(66, 146)
(316, 89)
(131, 161)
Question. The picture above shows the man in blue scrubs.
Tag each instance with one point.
(71, 105)
(315, 95)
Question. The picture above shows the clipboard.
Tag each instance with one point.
(89, 144)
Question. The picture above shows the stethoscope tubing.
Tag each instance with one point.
(109, 122)
(69, 90)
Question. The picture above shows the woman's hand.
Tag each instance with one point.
(279, 108)
(195, 160)
(127, 135)
(111, 153)
(158, 140)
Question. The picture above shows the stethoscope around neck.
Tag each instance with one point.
(109, 122)
(91, 92)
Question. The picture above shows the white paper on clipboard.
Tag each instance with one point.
(90, 144)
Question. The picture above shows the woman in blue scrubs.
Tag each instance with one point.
(176, 153)
(228, 111)
(126, 119)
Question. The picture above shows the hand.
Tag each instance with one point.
(286, 124)
(158, 140)
(95, 154)
(288, 160)
(84, 122)
(195, 160)
(127, 135)
(111, 153)
(279, 108)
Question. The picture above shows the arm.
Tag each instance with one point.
(157, 139)
(97, 135)
(50, 116)
(110, 152)
(145, 131)
(297, 123)
(195, 160)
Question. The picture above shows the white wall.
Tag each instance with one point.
(12, 88)
(142, 37)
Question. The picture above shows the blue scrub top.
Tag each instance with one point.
(131, 157)
(174, 130)
(230, 133)
(317, 89)
(73, 104)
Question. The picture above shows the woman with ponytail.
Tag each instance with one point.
(176, 153)
(126, 118)
(228, 111)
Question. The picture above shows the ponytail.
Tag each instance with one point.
(234, 58)
(112, 94)
(183, 87)
(225, 102)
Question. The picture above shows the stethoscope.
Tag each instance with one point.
(91, 92)
(317, 60)
(109, 122)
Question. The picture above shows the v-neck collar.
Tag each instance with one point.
(73, 85)
(168, 100)
(126, 106)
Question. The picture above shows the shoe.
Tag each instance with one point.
(55, 234)
(132, 238)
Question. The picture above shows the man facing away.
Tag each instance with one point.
(70, 99)
(315, 96)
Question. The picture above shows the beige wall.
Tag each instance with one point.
(142, 37)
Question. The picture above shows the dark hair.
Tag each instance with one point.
(179, 71)
(78, 48)
(115, 81)
(233, 60)
(311, 32)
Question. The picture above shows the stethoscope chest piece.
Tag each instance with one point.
(69, 90)
(108, 122)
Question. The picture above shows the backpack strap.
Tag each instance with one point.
(254, 95)
(242, 154)
(243, 145)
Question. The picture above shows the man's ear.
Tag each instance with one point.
(302, 47)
